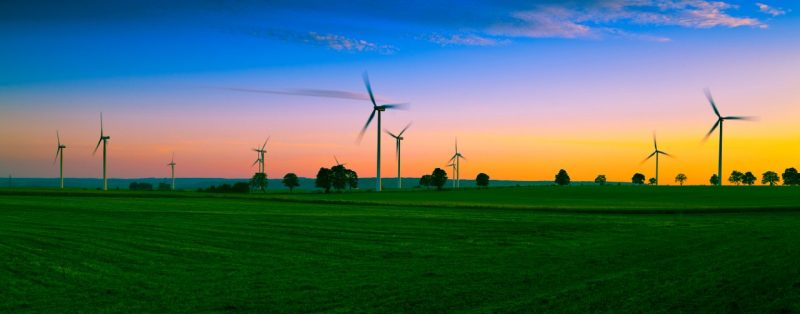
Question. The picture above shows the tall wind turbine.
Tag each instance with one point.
(456, 159)
(60, 152)
(656, 153)
(260, 159)
(378, 109)
(398, 138)
(103, 139)
(720, 120)
(171, 164)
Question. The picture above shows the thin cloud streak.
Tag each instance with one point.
(764, 8)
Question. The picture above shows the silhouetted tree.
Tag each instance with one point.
(562, 178)
(324, 178)
(164, 186)
(259, 181)
(651, 181)
(748, 178)
(352, 179)
(438, 178)
(339, 178)
(601, 179)
(425, 181)
(680, 178)
(714, 180)
(240, 187)
(770, 177)
(791, 177)
(638, 178)
(291, 181)
(482, 180)
(736, 177)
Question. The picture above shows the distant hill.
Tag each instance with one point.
(274, 184)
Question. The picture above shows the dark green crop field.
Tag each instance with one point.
(538, 249)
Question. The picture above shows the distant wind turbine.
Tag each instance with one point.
(378, 109)
(720, 120)
(398, 138)
(456, 159)
(656, 153)
(103, 139)
(171, 164)
(453, 165)
(337, 161)
(60, 153)
(260, 159)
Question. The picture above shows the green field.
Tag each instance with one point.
(560, 249)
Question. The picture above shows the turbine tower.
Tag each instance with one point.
(378, 109)
(171, 164)
(720, 120)
(60, 152)
(398, 138)
(656, 153)
(103, 139)
(456, 160)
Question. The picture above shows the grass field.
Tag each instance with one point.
(576, 249)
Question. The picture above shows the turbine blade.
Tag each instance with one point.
(336, 159)
(711, 101)
(265, 143)
(665, 154)
(712, 129)
(255, 162)
(98, 146)
(365, 76)
(324, 93)
(462, 157)
(655, 144)
(101, 124)
(402, 106)
(740, 118)
(366, 125)
(404, 129)
(390, 133)
(648, 157)
(58, 150)
(58, 137)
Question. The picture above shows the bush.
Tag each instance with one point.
(135, 186)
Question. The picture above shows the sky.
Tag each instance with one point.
(527, 87)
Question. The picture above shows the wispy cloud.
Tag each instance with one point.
(462, 40)
(331, 41)
(764, 8)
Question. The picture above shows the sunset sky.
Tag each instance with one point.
(528, 87)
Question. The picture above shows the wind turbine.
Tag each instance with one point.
(453, 165)
(337, 161)
(398, 138)
(378, 109)
(171, 164)
(656, 153)
(260, 153)
(60, 152)
(456, 160)
(720, 120)
(103, 139)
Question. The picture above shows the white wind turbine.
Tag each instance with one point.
(378, 109)
(60, 153)
(260, 152)
(456, 160)
(171, 164)
(656, 153)
(398, 138)
(103, 139)
(720, 119)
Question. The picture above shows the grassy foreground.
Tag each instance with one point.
(128, 252)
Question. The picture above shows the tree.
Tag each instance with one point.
(259, 181)
(601, 179)
(240, 187)
(438, 178)
(770, 178)
(324, 178)
(562, 178)
(791, 177)
(748, 178)
(482, 180)
(352, 179)
(736, 177)
(638, 178)
(339, 177)
(680, 178)
(425, 181)
(652, 181)
(714, 179)
(164, 186)
(291, 181)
